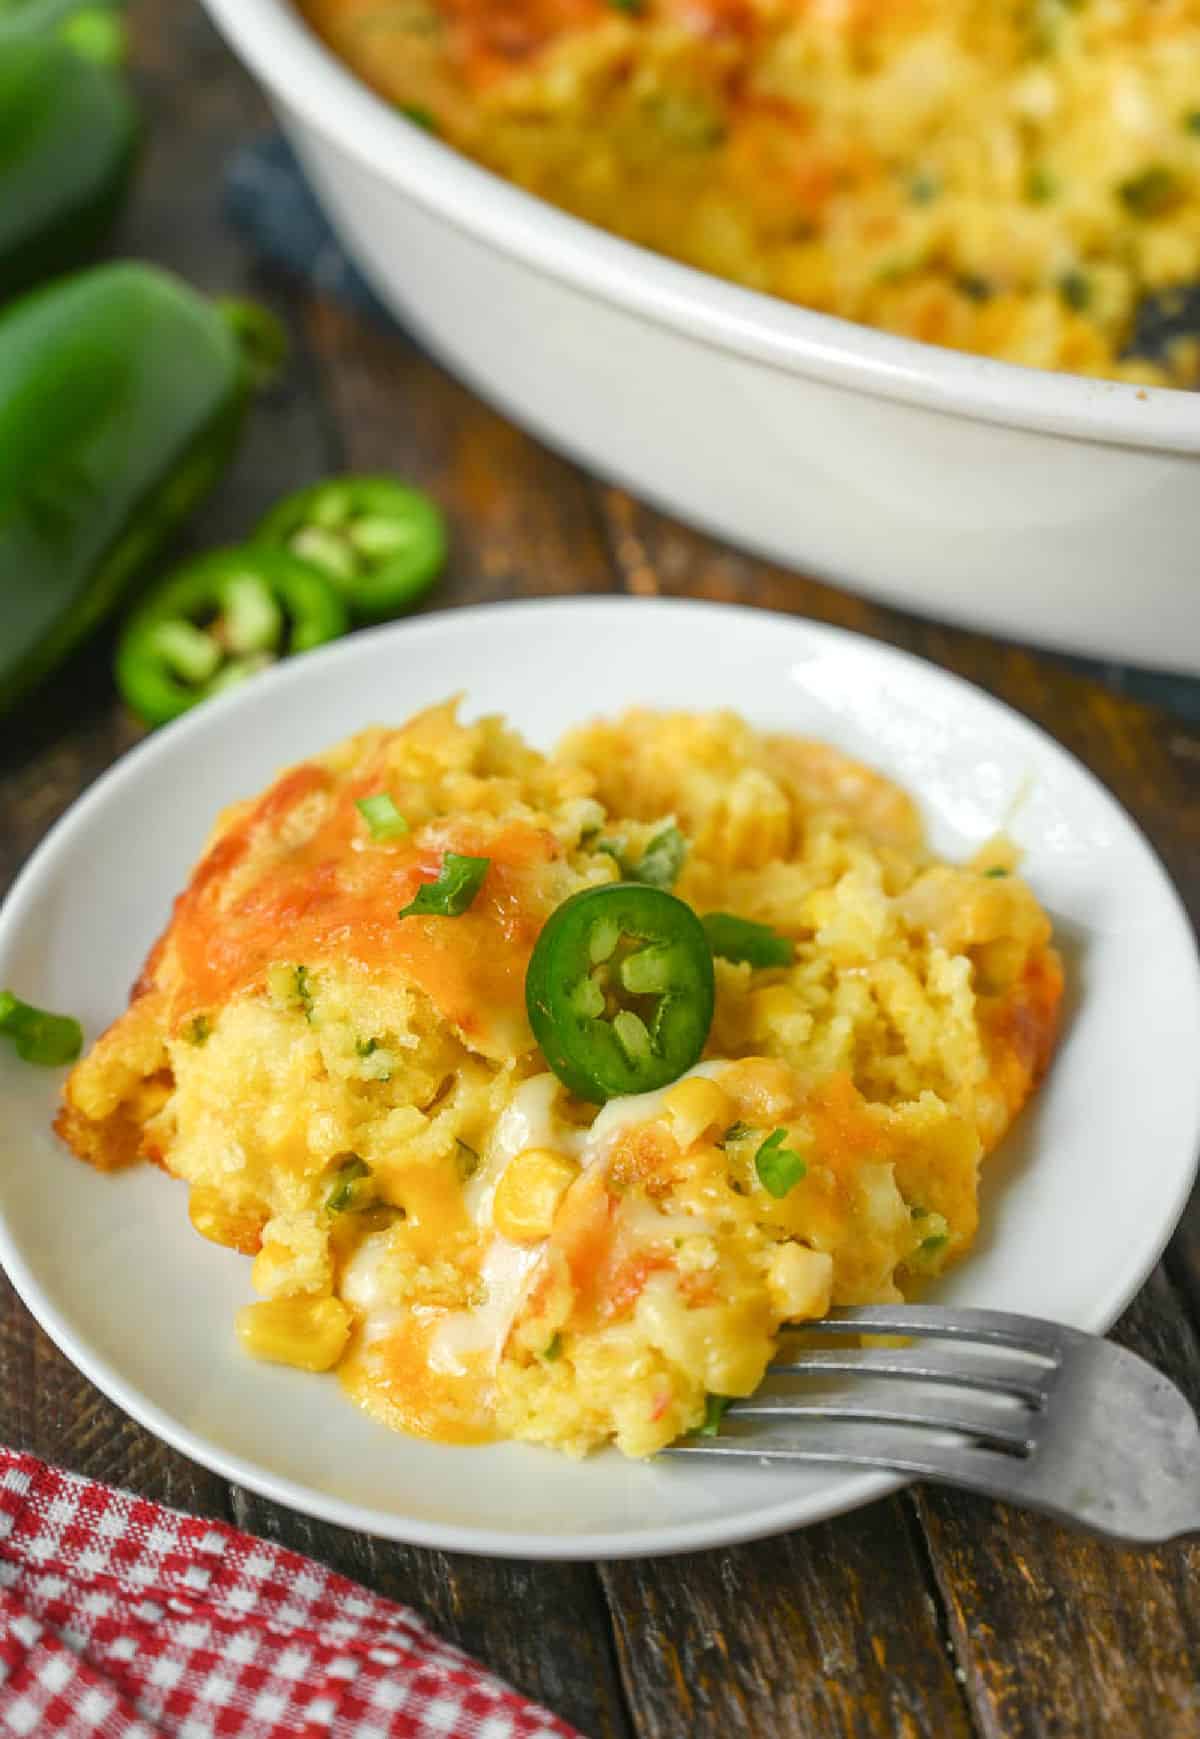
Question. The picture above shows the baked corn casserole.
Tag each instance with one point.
(1018, 180)
(542, 1090)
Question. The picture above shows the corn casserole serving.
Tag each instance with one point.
(542, 1090)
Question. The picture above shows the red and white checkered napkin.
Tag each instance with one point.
(123, 1620)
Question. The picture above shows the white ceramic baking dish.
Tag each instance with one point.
(1043, 506)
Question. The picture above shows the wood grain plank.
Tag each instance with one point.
(1061, 1634)
(544, 1627)
(832, 1631)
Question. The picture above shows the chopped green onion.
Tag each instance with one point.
(553, 1349)
(1151, 193)
(662, 859)
(458, 882)
(366, 1047)
(660, 863)
(997, 870)
(929, 1245)
(779, 1168)
(38, 1037)
(741, 940)
(419, 116)
(1040, 185)
(715, 1408)
(341, 1197)
(1075, 288)
(198, 1030)
(381, 816)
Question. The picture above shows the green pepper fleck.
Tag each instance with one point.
(343, 1194)
(466, 1159)
(996, 872)
(39, 1037)
(382, 817)
(454, 891)
(553, 1349)
(198, 1030)
(741, 940)
(779, 1168)
(619, 990)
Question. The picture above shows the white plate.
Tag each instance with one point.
(1078, 1204)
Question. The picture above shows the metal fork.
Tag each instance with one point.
(1012, 1406)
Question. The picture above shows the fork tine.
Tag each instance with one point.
(992, 1327)
(1009, 1428)
(896, 1449)
(1021, 1378)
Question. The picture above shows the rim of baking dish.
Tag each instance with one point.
(313, 85)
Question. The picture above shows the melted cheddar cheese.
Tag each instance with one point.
(356, 1101)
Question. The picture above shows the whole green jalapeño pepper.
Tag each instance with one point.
(380, 542)
(69, 133)
(122, 393)
(619, 990)
(216, 622)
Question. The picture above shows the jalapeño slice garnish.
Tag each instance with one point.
(620, 990)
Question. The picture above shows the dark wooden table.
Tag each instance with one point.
(928, 1615)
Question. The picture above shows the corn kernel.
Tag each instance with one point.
(212, 1216)
(529, 1192)
(309, 1333)
(294, 1258)
(695, 1105)
(800, 1281)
